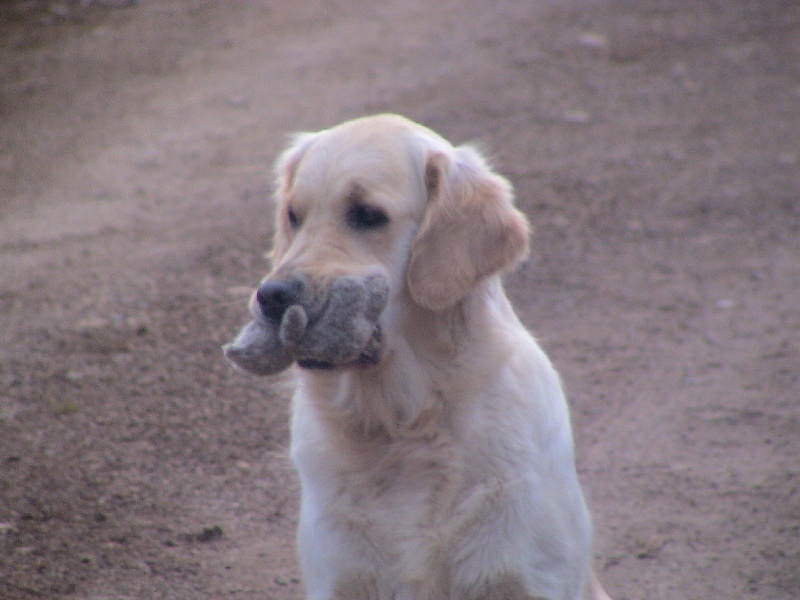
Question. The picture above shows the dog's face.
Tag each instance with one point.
(349, 202)
(381, 199)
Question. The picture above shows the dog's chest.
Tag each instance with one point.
(418, 483)
(413, 505)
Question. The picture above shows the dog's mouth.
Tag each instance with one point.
(369, 358)
(315, 365)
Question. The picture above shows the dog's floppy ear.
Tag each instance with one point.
(285, 169)
(470, 230)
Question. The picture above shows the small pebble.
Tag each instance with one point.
(577, 117)
(6, 528)
(590, 39)
(91, 323)
(210, 534)
(73, 376)
(725, 303)
(240, 290)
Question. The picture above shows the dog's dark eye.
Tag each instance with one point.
(365, 216)
(294, 220)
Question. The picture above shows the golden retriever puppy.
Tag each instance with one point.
(429, 430)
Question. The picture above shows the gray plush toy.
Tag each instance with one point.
(345, 332)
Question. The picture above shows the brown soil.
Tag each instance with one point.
(655, 145)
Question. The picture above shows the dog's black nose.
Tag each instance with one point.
(275, 296)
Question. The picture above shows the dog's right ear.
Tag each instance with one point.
(285, 170)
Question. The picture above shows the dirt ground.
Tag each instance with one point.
(655, 145)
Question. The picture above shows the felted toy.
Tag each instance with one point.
(344, 331)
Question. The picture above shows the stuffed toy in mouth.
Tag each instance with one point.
(344, 332)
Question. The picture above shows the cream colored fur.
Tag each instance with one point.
(446, 471)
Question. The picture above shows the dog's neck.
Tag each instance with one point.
(426, 354)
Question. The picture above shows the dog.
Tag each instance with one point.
(429, 430)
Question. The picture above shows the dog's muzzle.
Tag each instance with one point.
(292, 324)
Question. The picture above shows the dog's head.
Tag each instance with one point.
(378, 211)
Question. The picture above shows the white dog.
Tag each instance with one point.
(430, 431)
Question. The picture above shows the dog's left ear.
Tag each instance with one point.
(471, 229)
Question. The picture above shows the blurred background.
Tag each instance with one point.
(653, 144)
